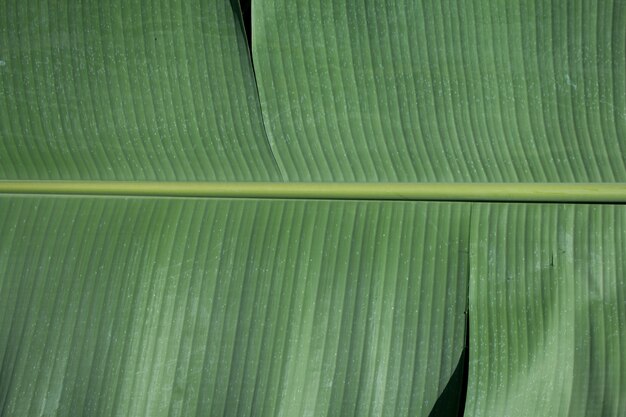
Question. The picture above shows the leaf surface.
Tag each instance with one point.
(429, 91)
(215, 307)
(180, 306)
(547, 312)
(129, 90)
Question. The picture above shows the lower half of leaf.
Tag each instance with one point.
(181, 307)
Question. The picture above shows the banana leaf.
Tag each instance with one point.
(548, 310)
(215, 307)
(444, 91)
(128, 90)
(324, 301)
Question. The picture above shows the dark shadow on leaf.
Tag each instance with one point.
(451, 402)
(243, 10)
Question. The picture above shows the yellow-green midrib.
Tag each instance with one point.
(530, 192)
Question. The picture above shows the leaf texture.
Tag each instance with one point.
(547, 311)
(478, 91)
(128, 90)
(181, 307)
(236, 308)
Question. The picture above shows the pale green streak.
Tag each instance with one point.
(581, 193)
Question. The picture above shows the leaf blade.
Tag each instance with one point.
(132, 91)
(405, 91)
(183, 306)
(547, 324)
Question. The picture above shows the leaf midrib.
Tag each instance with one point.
(511, 192)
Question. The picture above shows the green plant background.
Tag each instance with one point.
(132, 306)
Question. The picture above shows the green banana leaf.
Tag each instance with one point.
(548, 311)
(442, 91)
(217, 307)
(125, 305)
(128, 90)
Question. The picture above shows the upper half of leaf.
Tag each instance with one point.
(393, 90)
(412, 90)
(130, 90)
